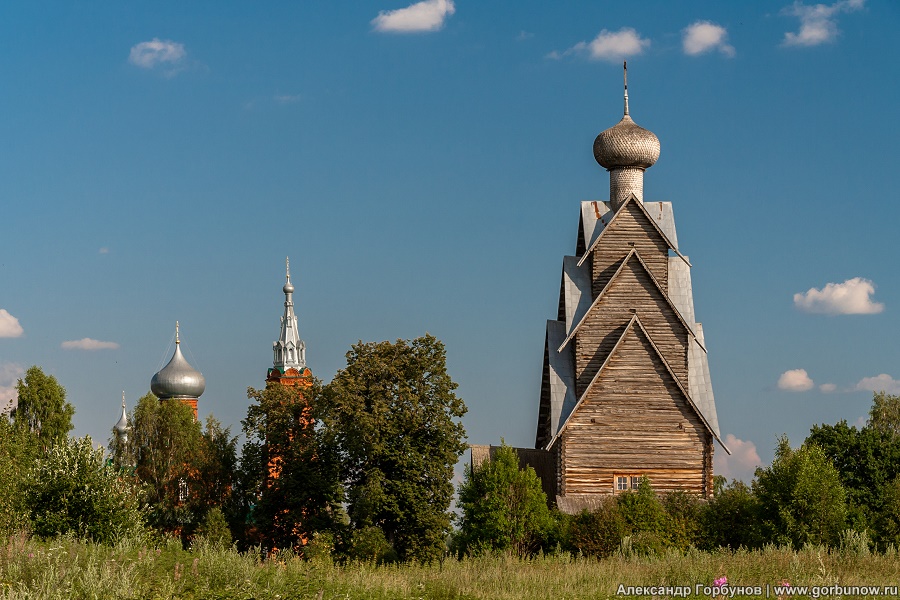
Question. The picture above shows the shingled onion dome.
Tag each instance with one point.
(178, 379)
(625, 150)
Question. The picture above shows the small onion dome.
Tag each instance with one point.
(288, 287)
(178, 379)
(626, 144)
(121, 426)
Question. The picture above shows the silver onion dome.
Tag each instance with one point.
(178, 379)
(121, 425)
(626, 144)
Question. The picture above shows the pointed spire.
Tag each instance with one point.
(625, 71)
(290, 351)
(288, 286)
(177, 341)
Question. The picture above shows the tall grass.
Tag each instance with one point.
(67, 568)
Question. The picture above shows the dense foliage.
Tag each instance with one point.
(42, 408)
(801, 497)
(394, 420)
(184, 470)
(503, 507)
(72, 490)
(289, 478)
(18, 453)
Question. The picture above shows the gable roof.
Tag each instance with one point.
(576, 290)
(559, 369)
(635, 320)
(631, 253)
(602, 221)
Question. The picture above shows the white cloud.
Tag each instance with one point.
(818, 24)
(10, 373)
(848, 298)
(611, 46)
(704, 36)
(428, 15)
(827, 388)
(158, 53)
(88, 344)
(879, 383)
(795, 380)
(741, 464)
(104, 250)
(524, 35)
(9, 325)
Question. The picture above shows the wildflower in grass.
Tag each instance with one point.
(721, 581)
(31, 555)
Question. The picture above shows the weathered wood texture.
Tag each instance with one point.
(631, 227)
(631, 292)
(635, 420)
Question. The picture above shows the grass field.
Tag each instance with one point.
(67, 568)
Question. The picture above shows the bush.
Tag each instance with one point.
(801, 497)
(644, 513)
(730, 518)
(503, 507)
(73, 491)
(599, 532)
(213, 530)
(683, 519)
(370, 545)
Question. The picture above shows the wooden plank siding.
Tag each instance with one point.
(631, 226)
(635, 420)
(631, 292)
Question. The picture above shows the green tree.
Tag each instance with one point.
(289, 470)
(395, 420)
(884, 416)
(214, 469)
(73, 490)
(164, 442)
(801, 497)
(729, 519)
(42, 408)
(18, 452)
(503, 507)
(867, 460)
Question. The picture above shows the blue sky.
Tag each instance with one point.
(423, 165)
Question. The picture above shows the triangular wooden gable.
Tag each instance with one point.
(632, 254)
(635, 327)
(633, 199)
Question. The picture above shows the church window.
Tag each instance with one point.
(627, 482)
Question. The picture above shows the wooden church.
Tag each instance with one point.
(625, 390)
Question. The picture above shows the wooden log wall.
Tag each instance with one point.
(633, 291)
(635, 420)
(631, 227)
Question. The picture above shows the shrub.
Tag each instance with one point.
(683, 519)
(599, 532)
(801, 497)
(369, 544)
(644, 513)
(213, 530)
(503, 507)
(729, 519)
(73, 491)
